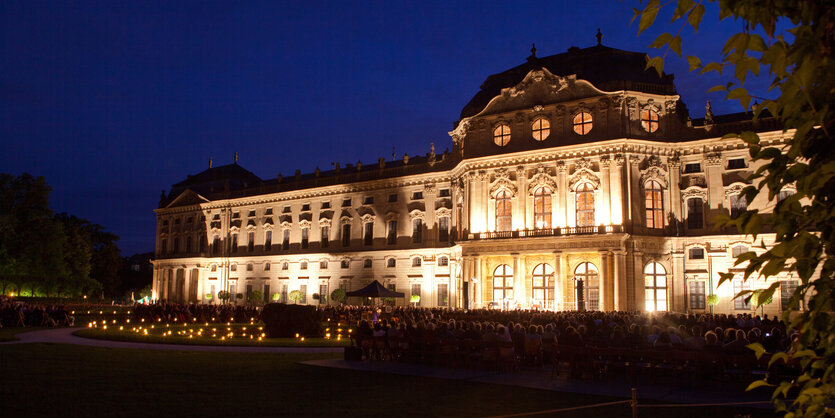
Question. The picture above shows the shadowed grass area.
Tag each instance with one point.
(61, 380)
(113, 333)
(10, 334)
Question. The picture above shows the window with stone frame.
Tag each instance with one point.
(504, 213)
(542, 208)
(739, 303)
(787, 289)
(540, 129)
(443, 294)
(696, 253)
(501, 135)
(695, 213)
(582, 123)
(250, 241)
(415, 290)
(443, 229)
(233, 242)
(345, 263)
(417, 231)
(654, 204)
(391, 234)
(346, 235)
(738, 205)
(305, 237)
(587, 273)
(391, 262)
(368, 235)
(285, 242)
(585, 205)
(443, 261)
(502, 283)
(417, 262)
(696, 294)
(650, 120)
(543, 285)
(655, 287)
(268, 240)
(325, 232)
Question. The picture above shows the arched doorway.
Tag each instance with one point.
(588, 274)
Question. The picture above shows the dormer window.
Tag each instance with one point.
(649, 120)
(369, 200)
(251, 213)
(501, 135)
(326, 205)
(417, 195)
(692, 168)
(540, 129)
(305, 207)
(736, 163)
(269, 211)
(286, 209)
(582, 123)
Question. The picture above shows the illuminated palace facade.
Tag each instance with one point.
(579, 167)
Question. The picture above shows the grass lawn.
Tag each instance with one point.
(10, 334)
(65, 380)
(178, 335)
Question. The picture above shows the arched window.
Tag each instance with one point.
(391, 262)
(587, 272)
(542, 208)
(582, 123)
(654, 204)
(543, 284)
(649, 120)
(416, 262)
(502, 283)
(585, 205)
(504, 217)
(501, 135)
(655, 287)
(738, 250)
(540, 129)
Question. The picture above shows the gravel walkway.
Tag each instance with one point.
(64, 336)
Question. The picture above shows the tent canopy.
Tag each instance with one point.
(376, 290)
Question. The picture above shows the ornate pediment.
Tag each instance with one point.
(304, 223)
(541, 179)
(694, 191)
(654, 173)
(392, 216)
(324, 222)
(443, 211)
(583, 174)
(368, 218)
(734, 188)
(345, 220)
(502, 181)
(187, 198)
(417, 214)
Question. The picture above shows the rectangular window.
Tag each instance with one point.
(692, 168)
(325, 240)
(443, 294)
(417, 195)
(305, 207)
(249, 267)
(739, 303)
(326, 205)
(697, 295)
(443, 229)
(738, 205)
(236, 215)
(787, 289)
(696, 254)
(266, 293)
(368, 237)
(286, 209)
(163, 244)
(735, 163)
(323, 294)
(266, 266)
(695, 217)
(188, 244)
(215, 245)
(323, 265)
(268, 240)
(250, 241)
(417, 231)
(391, 238)
(176, 247)
(444, 193)
(346, 235)
(283, 297)
(393, 198)
(269, 211)
(369, 200)
(346, 203)
(233, 242)
(233, 267)
(303, 289)
(305, 237)
(415, 291)
(285, 242)
(345, 264)
(248, 291)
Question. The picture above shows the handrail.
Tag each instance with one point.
(546, 232)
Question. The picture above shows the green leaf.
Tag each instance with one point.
(694, 62)
(750, 137)
(648, 16)
(757, 383)
(694, 18)
(661, 40)
(718, 88)
(712, 66)
(657, 63)
(675, 45)
(757, 348)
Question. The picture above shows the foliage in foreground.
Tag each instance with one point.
(793, 42)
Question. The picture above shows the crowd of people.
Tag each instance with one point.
(19, 314)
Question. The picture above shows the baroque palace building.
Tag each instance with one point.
(577, 177)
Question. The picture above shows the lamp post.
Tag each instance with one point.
(581, 300)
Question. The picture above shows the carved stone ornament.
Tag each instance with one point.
(670, 105)
(250, 226)
(304, 223)
(605, 161)
(502, 181)
(617, 102)
(561, 166)
(583, 163)
(713, 158)
(554, 82)
(619, 160)
(654, 173)
(285, 225)
(324, 222)
(460, 131)
(583, 175)
(538, 108)
(541, 179)
(734, 188)
(429, 189)
(234, 228)
(417, 214)
(345, 220)
(392, 216)
(368, 218)
(442, 212)
(694, 191)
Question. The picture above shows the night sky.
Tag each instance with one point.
(114, 101)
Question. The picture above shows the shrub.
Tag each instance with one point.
(296, 296)
(339, 295)
(285, 321)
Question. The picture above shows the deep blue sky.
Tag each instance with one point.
(113, 101)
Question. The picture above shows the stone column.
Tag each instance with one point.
(603, 283)
(638, 280)
(605, 191)
(616, 186)
(620, 280)
(675, 193)
(715, 188)
(562, 193)
(466, 279)
(467, 190)
(559, 281)
(636, 219)
(479, 284)
(485, 199)
(430, 220)
(518, 280)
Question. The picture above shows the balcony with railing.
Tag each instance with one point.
(546, 232)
